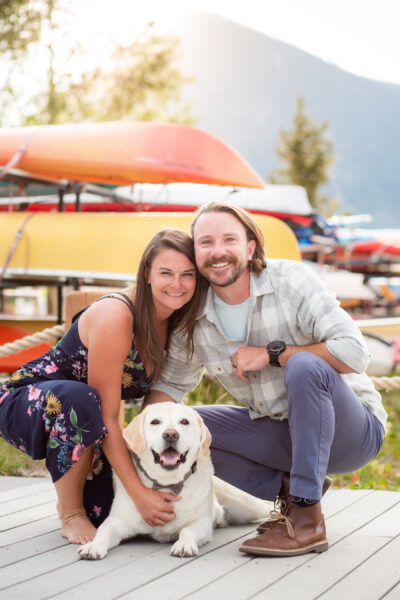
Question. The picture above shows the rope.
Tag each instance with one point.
(386, 383)
(29, 341)
(48, 335)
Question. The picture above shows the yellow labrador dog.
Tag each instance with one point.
(170, 444)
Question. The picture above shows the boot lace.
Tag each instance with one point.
(279, 517)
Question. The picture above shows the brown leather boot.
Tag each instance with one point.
(298, 531)
(280, 504)
(283, 499)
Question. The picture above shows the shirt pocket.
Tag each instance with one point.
(219, 367)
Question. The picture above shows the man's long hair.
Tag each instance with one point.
(253, 231)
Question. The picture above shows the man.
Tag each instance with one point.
(279, 342)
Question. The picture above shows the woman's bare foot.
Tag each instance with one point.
(76, 527)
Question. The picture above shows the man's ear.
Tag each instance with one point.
(134, 434)
(205, 438)
(251, 246)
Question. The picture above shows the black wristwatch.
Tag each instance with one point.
(274, 349)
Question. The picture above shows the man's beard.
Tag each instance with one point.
(239, 268)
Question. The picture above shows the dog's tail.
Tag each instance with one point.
(240, 507)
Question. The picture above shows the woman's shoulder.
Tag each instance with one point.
(109, 311)
(106, 317)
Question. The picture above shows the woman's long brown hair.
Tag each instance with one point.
(183, 319)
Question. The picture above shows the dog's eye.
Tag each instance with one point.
(155, 422)
(184, 422)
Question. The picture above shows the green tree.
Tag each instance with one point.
(55, 103)
(307, 154)
(140, 81)
(29, 30)
(20, 25)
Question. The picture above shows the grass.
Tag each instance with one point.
(14, 462)
(383, 473)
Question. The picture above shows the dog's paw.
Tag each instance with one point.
(184, 548)
(92, 551)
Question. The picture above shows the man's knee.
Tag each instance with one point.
(302, 366)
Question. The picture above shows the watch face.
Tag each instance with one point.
(276, 346)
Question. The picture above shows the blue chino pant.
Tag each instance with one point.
(328, 430)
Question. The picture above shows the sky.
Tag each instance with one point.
(360, 36)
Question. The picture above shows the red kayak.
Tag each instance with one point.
(9, 364)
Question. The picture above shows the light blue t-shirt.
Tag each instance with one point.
(233, 318)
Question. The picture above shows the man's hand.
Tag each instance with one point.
(249, 358)
(252, 358)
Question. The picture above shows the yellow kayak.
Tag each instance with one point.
(103, 246)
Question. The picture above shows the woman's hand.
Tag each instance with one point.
(249, 358)
(156, 508)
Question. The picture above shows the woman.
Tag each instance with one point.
(64, 406)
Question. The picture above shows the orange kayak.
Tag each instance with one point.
(125, 153)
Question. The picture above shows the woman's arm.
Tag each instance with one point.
(106, 330)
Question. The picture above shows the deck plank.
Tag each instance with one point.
(156, 567)
(16, 505)
(22, 491)
(27, 548)
(345, 556)
(373, 578)
(394, 593)
(214, 565)
(37, 563)
(147, 560)
(258, 577)
(35, 513)
(29, 530)
(75, 574)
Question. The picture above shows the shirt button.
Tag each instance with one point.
(219, 368)
(254, 376)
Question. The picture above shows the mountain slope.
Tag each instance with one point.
(245, 88)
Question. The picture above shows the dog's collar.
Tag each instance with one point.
(176, 488)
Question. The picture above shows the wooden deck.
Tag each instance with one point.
(36, 562)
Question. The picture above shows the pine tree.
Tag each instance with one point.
(307, 154)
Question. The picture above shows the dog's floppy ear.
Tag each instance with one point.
(205, 439)
(134, 434)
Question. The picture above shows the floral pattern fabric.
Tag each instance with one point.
(48, 410)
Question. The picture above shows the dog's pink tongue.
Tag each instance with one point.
(169, 457)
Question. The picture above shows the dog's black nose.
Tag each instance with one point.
(170, 435)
